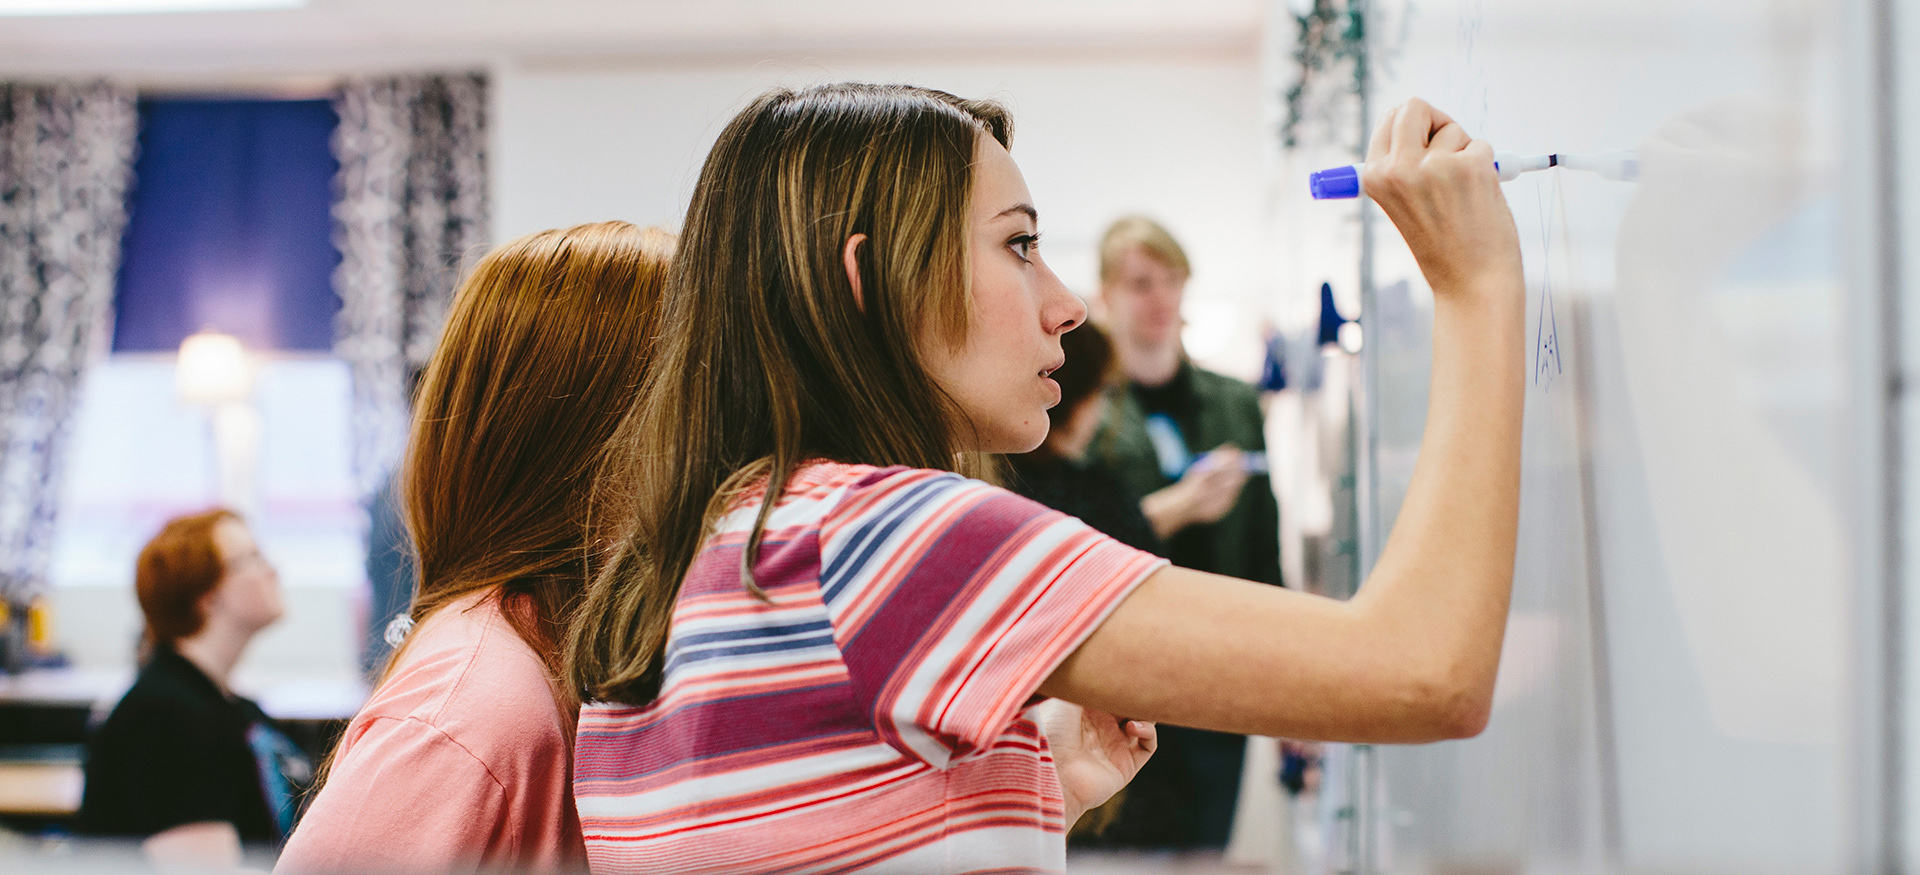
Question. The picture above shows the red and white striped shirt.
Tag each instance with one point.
(868, 719)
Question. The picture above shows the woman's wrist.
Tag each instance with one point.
(1494, 286)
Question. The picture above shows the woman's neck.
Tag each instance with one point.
(215, 650)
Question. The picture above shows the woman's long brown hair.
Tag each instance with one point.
(545, 347)
(766, 359)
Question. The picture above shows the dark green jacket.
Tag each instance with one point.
(1246, 542)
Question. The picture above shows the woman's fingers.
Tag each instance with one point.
(1144, 735)
(1437, 117)
(1382, 137)
(1412, 129)
(1451, 137)
(1439, 187)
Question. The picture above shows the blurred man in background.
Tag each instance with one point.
(1192, 442)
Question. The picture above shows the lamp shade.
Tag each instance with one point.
(213, 369)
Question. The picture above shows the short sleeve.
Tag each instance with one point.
(404, 797)
(953, 600)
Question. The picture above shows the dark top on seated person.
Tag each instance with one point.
(182, 760)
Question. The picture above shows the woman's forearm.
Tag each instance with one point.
(1413, 656)
(1443, 581)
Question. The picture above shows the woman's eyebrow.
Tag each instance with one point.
(1032, 214)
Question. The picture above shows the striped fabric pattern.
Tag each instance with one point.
(868, 718)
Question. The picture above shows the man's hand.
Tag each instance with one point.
(1204, 494)
(1095, 752)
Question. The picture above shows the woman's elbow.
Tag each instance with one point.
(1466, 717)
(1453, 705)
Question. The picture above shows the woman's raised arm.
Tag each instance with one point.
(1413, 656)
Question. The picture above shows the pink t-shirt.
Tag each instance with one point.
(460, 761)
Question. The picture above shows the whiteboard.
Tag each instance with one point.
(1674, 689)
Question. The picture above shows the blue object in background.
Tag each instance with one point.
(1330, 318)
(1273, 371)
(230, 226)
(1169, 445)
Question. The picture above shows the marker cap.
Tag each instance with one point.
(1335, 182)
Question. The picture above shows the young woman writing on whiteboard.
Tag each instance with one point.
(834, 678)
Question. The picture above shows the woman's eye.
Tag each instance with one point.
(1024, 245)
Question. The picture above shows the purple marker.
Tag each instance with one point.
(1335, 183)
(1344, 182)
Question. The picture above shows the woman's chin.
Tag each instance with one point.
(1038, 438)
(1009, 436)
(1022, 440)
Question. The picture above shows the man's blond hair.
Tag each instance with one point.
(1139, 232)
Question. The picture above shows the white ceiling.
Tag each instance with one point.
(331, 36)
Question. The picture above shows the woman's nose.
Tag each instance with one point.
(1066, 309)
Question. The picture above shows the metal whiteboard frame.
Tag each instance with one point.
(1873, 193)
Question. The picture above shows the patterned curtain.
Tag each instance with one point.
(66, 155)
(411, 207)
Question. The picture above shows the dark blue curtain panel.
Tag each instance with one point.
(229, 226)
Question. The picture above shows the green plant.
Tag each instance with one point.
(1329, 33)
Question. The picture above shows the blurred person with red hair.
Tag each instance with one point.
(182, 761)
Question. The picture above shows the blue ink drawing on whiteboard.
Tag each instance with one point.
(1470, 102)
(1546, 332)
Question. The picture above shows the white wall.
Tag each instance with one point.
(1175, 135)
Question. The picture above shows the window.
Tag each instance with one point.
(229, 228)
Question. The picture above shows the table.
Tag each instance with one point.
(44, 716)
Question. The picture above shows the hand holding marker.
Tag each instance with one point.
(1344, 182)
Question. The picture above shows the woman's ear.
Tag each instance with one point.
(850, 254)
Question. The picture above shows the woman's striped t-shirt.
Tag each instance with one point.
(869, 718)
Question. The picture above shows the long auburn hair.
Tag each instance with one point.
(546, 344)
(766, 360)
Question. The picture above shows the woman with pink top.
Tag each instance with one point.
(461, 758)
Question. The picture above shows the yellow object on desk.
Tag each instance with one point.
(40, 625)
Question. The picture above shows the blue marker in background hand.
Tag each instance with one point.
(1344, 182)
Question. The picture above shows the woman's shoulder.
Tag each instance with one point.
(863, 489)
(821, 476)
(461, 755)
(825, 488)
(471, 678)
(836, 501)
